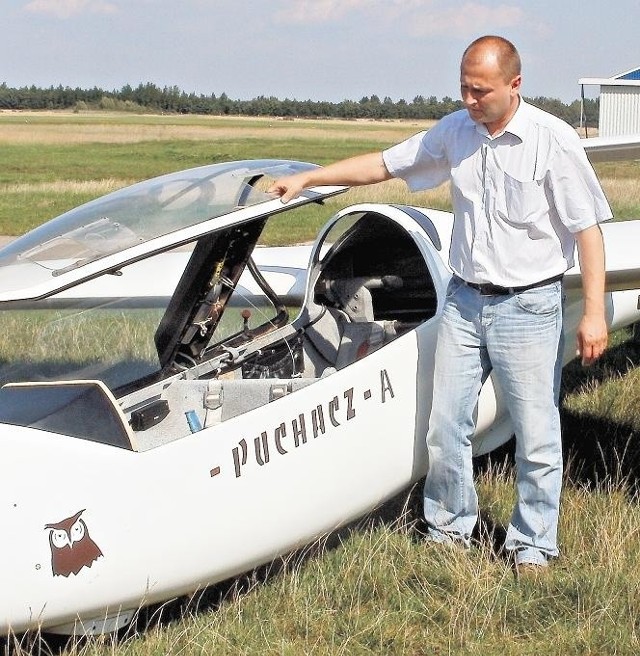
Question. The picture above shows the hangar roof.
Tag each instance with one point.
(628, 78)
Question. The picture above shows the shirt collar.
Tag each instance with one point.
(518, 123)
(516, 126)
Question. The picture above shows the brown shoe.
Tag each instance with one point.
(530, 571)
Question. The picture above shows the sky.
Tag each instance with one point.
(310, 49)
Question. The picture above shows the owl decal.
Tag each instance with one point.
(71, 546)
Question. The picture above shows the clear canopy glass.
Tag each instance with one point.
(136, 214)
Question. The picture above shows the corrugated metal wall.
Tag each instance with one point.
(619, 110)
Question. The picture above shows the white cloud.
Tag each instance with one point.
(417, 18)
(67, 8)
(313, 11)
(467, 20)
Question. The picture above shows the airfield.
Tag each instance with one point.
(376, 588)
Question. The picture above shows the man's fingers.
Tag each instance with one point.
(589, 352)
(276, 189)
(285, 192)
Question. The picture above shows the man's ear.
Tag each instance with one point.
(516, 83)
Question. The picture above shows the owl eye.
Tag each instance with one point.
(77, 531)
(59, 539)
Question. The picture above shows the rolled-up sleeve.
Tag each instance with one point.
(420, 160)
(578, 197)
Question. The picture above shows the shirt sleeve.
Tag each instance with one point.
(578, 197)
(420, 160)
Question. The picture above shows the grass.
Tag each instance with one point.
(48, 158)
(58, 343)
(376, 587)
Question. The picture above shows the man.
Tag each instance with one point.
(523, 194)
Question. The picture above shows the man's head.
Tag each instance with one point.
(490, 81)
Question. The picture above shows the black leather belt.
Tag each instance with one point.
(487, 289)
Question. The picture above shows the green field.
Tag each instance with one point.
(376, 588)
(53, 162)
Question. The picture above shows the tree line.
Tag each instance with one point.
(149, 97)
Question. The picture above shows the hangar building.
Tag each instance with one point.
(619, 103)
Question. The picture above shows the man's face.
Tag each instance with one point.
(487, 96)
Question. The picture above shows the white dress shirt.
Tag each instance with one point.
(518, 197)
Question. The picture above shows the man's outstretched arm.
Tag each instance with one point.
(352, 172)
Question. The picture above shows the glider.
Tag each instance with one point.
(180, 404)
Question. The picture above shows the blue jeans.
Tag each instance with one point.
(518, 337)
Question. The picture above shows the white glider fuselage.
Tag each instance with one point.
(208, 506)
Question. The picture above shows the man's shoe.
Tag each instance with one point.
(530, 571)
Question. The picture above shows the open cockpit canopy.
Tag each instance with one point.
(129, 224)
(125, 286)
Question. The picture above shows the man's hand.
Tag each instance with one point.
(288, 187)
(591, 339)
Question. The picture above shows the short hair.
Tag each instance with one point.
(507, 54)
